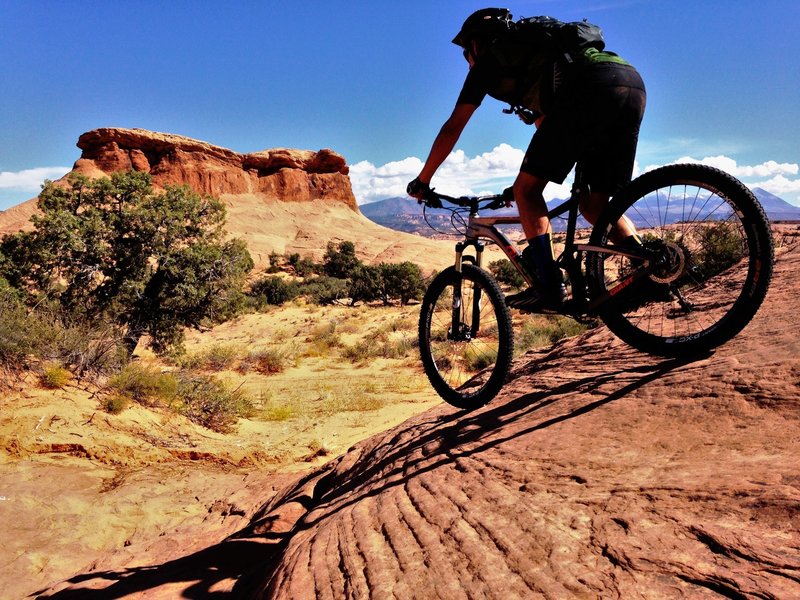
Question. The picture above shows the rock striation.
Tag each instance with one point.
(280, 173)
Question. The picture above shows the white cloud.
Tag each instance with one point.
(495, 170)
(487, 173)
(788, 189)
(770, 175)
(766, 169)
(30, 180)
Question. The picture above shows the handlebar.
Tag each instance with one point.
(434, 199)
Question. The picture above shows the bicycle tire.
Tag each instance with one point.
(715, 265)
(470, 371)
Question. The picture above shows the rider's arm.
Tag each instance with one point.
(446, 140)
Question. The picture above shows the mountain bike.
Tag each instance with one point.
(695, 280)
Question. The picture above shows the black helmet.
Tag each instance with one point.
(486, 23)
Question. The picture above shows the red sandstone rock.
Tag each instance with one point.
(292, 175)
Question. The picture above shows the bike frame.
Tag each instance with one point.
(479, 228)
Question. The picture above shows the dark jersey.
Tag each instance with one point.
(528, 80)
(532, 79)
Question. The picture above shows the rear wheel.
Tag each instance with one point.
(706, 267)
(465, 336)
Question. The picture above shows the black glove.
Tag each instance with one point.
(423, 193)
(417, 189)
(508, 195)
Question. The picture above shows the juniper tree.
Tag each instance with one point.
(113, 248)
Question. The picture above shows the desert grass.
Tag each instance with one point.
(55, 377)
(538, 331)
(329, 375)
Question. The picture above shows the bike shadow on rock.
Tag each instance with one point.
(419, 446)
(422, 447)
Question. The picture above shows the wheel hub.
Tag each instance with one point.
(464, 333)
(670, 264)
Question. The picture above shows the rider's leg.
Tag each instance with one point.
(529, 195)
(537, 258)
(592, 204)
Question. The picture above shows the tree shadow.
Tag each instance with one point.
(250, 556)
(231, 559)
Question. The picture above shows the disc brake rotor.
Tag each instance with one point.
(670, 265)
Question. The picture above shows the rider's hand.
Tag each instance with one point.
(418, 189)
(508, 196)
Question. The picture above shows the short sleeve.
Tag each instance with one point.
(474, 90)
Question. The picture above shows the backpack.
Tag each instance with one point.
(531, 42)
(567, 40)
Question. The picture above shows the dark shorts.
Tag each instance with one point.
(594, 120)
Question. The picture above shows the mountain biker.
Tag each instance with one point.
(587, 107)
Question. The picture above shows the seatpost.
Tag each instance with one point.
(577, 190)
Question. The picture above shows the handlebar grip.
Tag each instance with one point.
(432, 200)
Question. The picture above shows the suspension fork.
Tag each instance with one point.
(460, 331)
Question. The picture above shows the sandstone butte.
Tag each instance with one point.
(279, 200)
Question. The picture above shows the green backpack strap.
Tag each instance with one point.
(595, 56)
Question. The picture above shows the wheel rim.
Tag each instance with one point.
(701, 257)
(464, 358)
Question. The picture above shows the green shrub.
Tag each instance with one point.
(274, 291)
(401, 281)
(722, 245)
(303, 267)
(365, 284)
(475, 361)
(325, 290)
(380, 346)
(88, 347)
(537, 333)
(114, 250)
(277, 413)
(268, 361)
(506, 273)
(44, 333)
(323, 339)
(340, 260)
(116, 403)
(210, 403)
(219, 357)
(21, 334)
(145, 385)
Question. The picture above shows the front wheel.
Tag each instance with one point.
(466, 339)
(705, 265)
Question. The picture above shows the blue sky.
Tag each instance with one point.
(375, 80)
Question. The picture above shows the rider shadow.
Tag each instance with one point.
(418, 447)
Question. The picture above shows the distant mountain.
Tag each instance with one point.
(405, 214)
(391, 207)
(777, 208)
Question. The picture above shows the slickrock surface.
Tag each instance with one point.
(599, 472)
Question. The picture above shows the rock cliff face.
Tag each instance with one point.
(289, 175)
